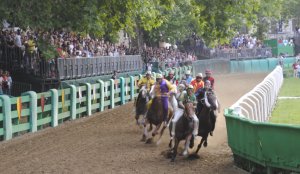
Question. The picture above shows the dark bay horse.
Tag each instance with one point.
(141, 104)
(184, 130)
(154, 116)
(205, 116)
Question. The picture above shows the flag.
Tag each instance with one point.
(63, 98)
(42, 102)
(19, 107)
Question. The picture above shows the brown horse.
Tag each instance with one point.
(141, 104)
(154, 116)
(184, 130)
(205, 116)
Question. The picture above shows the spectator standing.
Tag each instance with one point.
(5, 83)
(295, 68)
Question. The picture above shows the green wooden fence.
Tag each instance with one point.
(70, 103)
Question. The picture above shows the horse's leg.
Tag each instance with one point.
(187, 144)
(155, 131)
(175, 150)
(160, 135)
(145, 134)
(137, 119)
(203, 139)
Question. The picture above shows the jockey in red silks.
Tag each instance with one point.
(209, 77)
(163, 88)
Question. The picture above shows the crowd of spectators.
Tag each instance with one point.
(242, 42)
(70, 45)
(171, 56)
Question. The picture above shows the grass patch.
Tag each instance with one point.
(286, 112)
(290, 87)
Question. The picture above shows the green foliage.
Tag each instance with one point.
(47, 50)
(169, 20)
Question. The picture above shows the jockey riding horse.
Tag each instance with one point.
(207, 105)
(160, 108)
(144, 85)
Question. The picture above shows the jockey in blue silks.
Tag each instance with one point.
(189, 78)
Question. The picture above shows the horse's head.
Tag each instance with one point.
(143, 92)
(189, 109)
(210, 100)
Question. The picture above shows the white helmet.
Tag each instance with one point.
(148, 73)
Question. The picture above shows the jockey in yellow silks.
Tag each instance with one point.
(162, 88)
(147, 81)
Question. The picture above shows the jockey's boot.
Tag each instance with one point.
(192, 141)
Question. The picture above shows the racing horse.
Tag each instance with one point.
(183, 131)
(207, 117)
(154, 116)
(141, 104)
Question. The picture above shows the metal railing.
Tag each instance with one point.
(258, 104)
(14, 59)
(74, 68)
(243, 53)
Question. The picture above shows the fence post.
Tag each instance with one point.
(6, 110)
(88, 99)
(33, 110)
(73, 101)
(101, 103)
(122, 87)
(54, 107)
(132, 90)
(112, 93)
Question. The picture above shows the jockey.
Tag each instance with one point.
(147, 81)
(178, 111)
(163, 88)
(209, 77)
(189, 97)
(189, 78)
(200, 98)
(198, 82)
(171, 77)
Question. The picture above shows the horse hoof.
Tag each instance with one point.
(205, 144)
(185, 153)
(143, 138)
(158, 142)
(149, 141)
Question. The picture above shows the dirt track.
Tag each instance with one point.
(108, 142)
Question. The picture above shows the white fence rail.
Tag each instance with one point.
(258, 104)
